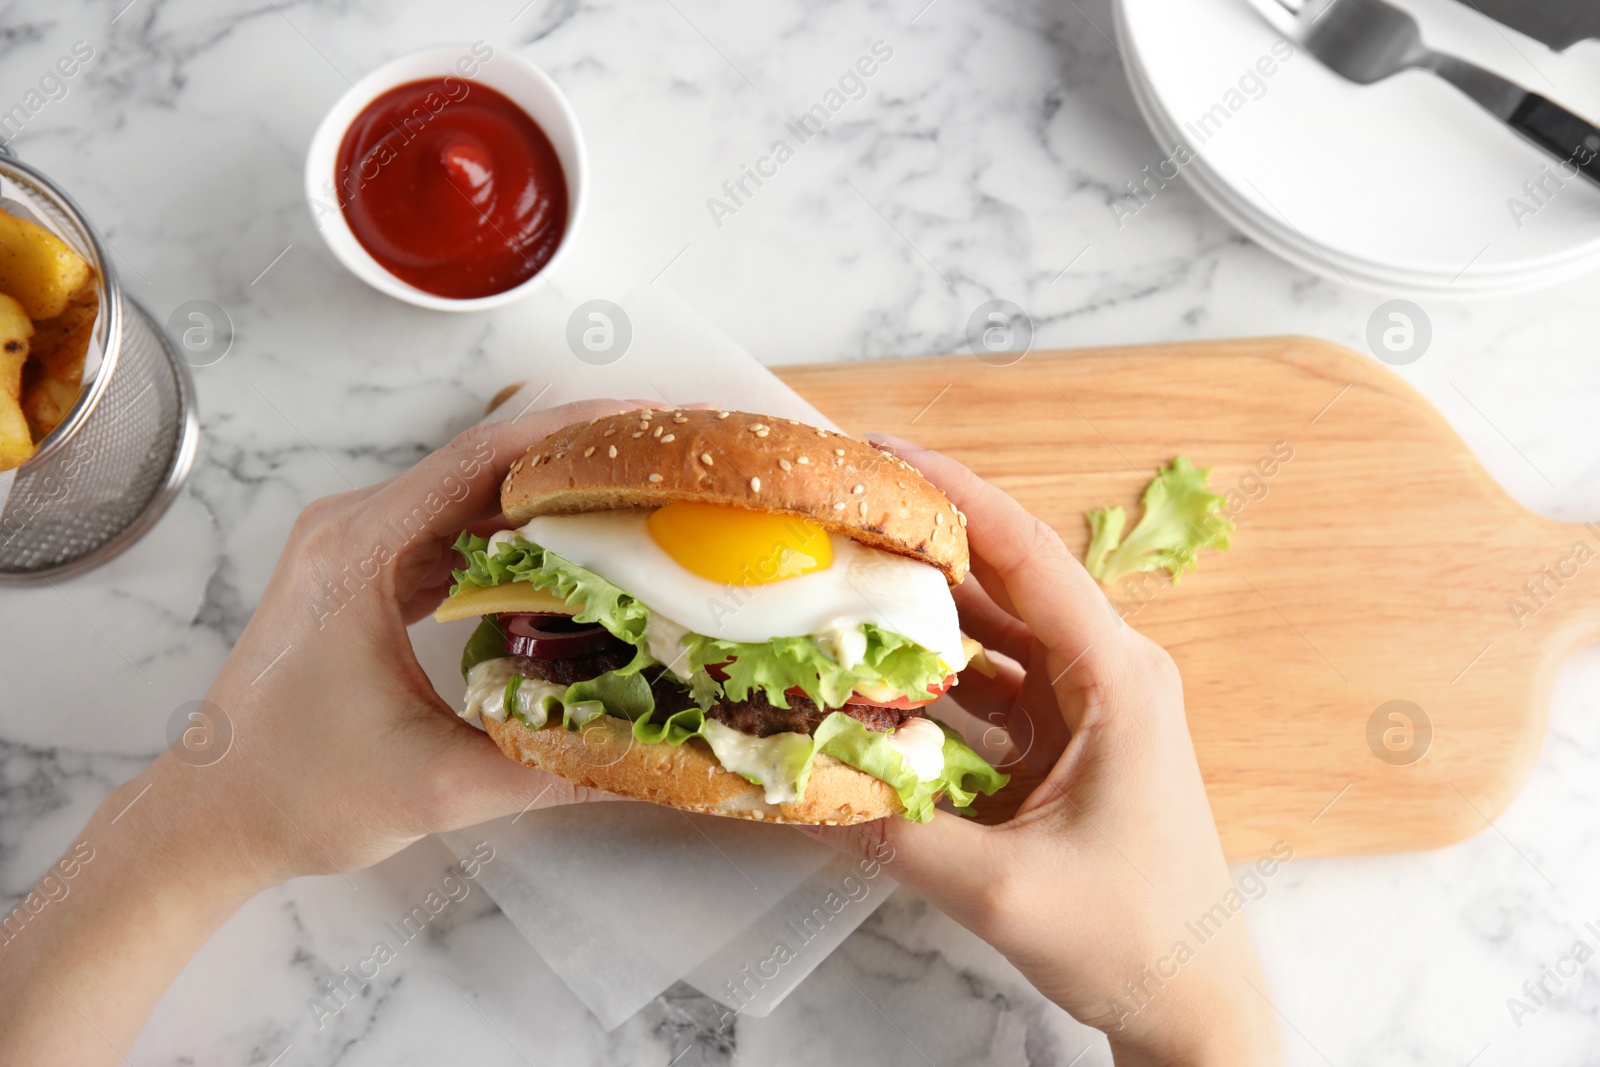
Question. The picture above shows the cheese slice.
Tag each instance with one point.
(495, 599)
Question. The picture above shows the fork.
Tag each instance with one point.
(1366, 41)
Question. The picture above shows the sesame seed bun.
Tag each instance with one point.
(604, 755)
(646, 458)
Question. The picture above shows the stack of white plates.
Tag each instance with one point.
(1406, 186)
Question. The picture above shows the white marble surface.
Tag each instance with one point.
(979, 164)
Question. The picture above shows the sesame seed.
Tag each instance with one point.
(723, 414)
(963, 516)
(655, 477)
(558, 455)
(838, 451)
(535, 462)
(838, 505)
(516, 466)
(669, 437)
(609, 432)
(612, 452)
(761, 432)
(822, 433)
(802, 459)
(938, 519)
(658, 431)
(863, 509)
(757, 427)
(902, 485)
(838, 461)
(784, 464)
(588, 452)
(705, 457)
(637, 434)
(755, 485)
(858, 490)
(644, 424)
(680, 417)
(954, 510)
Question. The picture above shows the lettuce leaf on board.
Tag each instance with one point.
(772, 667)
(1180, 518)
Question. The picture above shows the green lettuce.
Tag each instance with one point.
(488, 641)
(772, 667)
(625, 696)
(965, 774)
(593, 598)
(1180, 518)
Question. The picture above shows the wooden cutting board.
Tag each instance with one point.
(1374, 561)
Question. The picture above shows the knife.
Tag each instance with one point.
(1557, 23)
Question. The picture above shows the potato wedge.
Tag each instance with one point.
(39, 268)
(54, 375)
(16, 445)
(16, 332)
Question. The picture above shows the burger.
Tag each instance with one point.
(724, 613)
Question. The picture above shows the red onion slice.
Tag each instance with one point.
(552, 636)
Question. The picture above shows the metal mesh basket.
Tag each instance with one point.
(109, 470)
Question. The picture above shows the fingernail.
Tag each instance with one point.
(888, 442)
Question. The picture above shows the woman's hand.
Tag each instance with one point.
(1088, 887)
(323, 748)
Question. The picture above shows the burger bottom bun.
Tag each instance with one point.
(605, 755)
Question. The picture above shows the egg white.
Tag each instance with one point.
(861, 585)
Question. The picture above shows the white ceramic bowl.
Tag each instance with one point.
(520, 81)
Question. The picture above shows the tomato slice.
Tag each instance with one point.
(906, 703)
(902, 703)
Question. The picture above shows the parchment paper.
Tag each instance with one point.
(623, 899)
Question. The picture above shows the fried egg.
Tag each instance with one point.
(751, 576)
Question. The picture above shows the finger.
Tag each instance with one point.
(989, 698)
(460, 483)
(1048, 589)
(483, 783)
(949, 860)
(995, 628)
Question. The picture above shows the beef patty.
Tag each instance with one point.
(755, 715)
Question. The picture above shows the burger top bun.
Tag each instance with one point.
(646, 458)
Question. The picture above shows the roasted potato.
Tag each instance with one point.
(16, 444)
(54, 374)
(39, 268)
(16, 333)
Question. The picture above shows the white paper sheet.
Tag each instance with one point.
(624, 899)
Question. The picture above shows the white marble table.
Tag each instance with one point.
(980, 163)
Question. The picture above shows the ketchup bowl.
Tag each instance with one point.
(455, 208)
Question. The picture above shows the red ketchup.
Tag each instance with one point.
(452, 187)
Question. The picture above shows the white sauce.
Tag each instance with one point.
(486, 692)
(500, 537)
(920, 743)
(665, 640)
(772, 761)
(845, 643)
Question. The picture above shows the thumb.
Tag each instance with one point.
(950, 861)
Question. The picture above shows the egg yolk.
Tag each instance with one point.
(736, 546)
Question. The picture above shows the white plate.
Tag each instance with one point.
(1400, 184)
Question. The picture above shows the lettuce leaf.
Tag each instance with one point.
(965, 774)
(1180, 518)
(773, 667)
(592, 597)
(797, 662)
(486, 642)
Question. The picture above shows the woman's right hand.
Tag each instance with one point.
(1092, 886)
